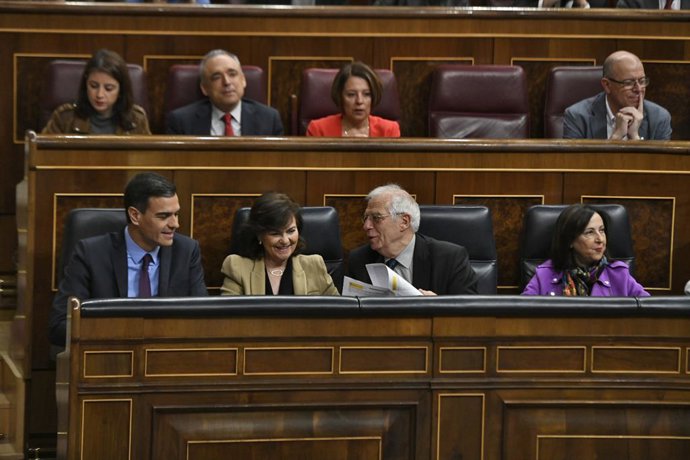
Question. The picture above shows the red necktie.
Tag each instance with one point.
(144, 282)
(668, 5)
(228, 125)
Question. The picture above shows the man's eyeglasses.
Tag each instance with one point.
(630, 83)
(375, 218)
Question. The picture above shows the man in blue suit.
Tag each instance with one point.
(149, 247)
(620, 112)
(225, 111)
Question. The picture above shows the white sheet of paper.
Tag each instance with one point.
(353, 287)
(382, 276)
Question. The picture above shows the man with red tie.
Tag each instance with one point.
(225, 111)
(147, 258)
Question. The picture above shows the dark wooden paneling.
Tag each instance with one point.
(668, 90)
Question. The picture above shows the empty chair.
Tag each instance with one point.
(483, 101)
(315, 98)
(183, 85)
(320, 231)
(61, 85)
(468, 226)
(566, 86)
(538, 225)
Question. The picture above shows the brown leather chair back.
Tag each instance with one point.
(482, 101)
(183, 85)
(315, 97)
(566, 86)
(61, 85)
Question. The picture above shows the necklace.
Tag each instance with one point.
(276, 272)
(348, 132)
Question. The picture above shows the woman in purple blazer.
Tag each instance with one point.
(579, 265)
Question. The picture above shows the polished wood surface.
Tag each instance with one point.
(494, 381)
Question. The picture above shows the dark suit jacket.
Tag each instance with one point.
(587, 120)
(98, 270)
(437, 266)
(195, 119)
(648, 4)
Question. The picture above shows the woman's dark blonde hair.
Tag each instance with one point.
(361, 70)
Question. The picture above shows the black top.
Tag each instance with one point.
(285, 287)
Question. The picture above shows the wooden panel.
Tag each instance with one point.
(613, 430)
(326, 430)
(108, 364)
(288, 361)
(656, 447)
(337, 448)
(386, 360)
(540, 359)
(462, 360)
(638, 359)
(198, 362)
(666, 89)
(212, 218)
(114, 414)
(455, 410)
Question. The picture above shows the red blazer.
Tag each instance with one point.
(331, 126)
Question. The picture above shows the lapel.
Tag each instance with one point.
(248, 119)
(685, 4)
(257, 281)
(118, 258)
(599, 117)
(421, 264)
(165, 257)
(202, 119)
(299, 278)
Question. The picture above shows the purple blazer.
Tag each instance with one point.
(614, 281)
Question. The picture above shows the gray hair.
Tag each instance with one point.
(401, 202)
(211, 54)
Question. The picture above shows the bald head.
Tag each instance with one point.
(618, 61)
(624, 81)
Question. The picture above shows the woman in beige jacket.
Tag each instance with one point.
(269, 262)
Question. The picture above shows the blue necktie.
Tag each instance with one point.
(144, 282)
(392, 263)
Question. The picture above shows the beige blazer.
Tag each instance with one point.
(244, 276)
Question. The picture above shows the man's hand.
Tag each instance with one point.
(628, 120)
(425, 292)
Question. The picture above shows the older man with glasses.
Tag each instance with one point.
(391, 221)
(620, 112)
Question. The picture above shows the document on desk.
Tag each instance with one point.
(384, 282)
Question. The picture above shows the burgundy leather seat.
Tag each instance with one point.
(183, 85)
(566, 86)
(482, 101)
(61, 85)
(315, 98)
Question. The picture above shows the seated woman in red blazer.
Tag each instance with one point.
(356, 89)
